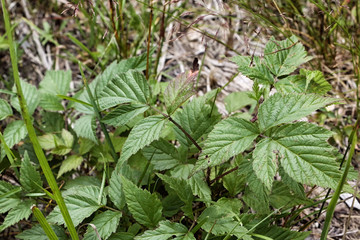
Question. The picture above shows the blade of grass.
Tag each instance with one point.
(31, 131)
(83, 47)
(334, 199)
(44, 224)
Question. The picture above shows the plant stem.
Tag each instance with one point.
(224, 174)
(179, 127)
(148, 42)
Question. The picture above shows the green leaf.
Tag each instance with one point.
(237, 100)
(307, 82)
(116, 193)
(22, 211)
(81, 203)
(229, 138)
(129, 87)
(284, 57)
(145, 132)
(165, 231)
(283, 197)
(10, 201)
(196, 182)
(221, 222)
(54, 83)
(146, 208)
(50, 102)
(182, 189)
(163, 155)
(85, 127)
(15, 132)
(106, 223)
(67, 137)
(30, 178)
(37, 233)
(282, 108)
(197, 119)
(253, 68)
(179, 90)
(99, 83)
(31, 96)
(303, 152)
(123, 114)
(265, 161)
(70, 163)
(275, 232)
(49, 141)
(5, 109)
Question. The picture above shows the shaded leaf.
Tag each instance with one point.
(10, 201)
(163, 155)
(182, 189)
(145, 132)
(30, 178)
(282, 108)
(237, 100)
(146, 208)
(282, 197)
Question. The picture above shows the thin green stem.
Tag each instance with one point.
(44, 224)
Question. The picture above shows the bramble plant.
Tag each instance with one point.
(173, 168)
